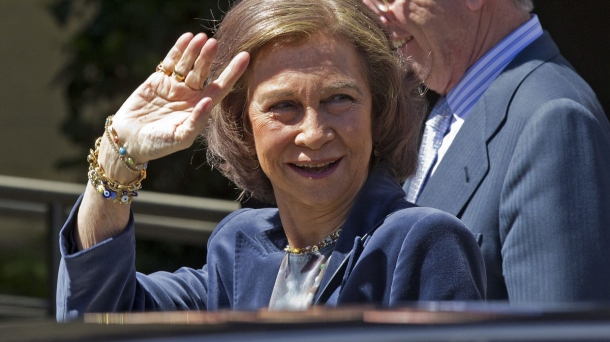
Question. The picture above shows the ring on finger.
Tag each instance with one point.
(162, 69)
(178, 76)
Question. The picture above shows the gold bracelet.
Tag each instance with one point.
(107, 187)
(127, 161)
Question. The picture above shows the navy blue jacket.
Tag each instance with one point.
(389, 251)
(529, 174)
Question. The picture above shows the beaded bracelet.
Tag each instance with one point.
(108, 188)
(120, 150)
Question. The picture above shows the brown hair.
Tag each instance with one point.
(398, 107)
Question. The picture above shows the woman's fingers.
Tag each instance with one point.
(201, 67)
(223, 84)
(183, 67)
(175, 53)
(217, 90)
(190, 59)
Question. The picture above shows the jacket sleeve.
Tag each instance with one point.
(555, 207)
(445, 262)
(103, 279)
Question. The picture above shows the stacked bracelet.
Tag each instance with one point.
(108, 188)
(120, 150)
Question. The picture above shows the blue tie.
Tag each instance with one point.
(436, 127)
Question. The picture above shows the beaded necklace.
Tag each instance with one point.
(332, 238)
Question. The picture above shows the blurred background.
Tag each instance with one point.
(68, 64)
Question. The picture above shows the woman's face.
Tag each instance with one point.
(310, 110)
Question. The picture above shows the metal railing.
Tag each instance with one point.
(162, 217)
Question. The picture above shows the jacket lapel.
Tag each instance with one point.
(257, 261)
(380, 196)
(461, 170)
(466, 162)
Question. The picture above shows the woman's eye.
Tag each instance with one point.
(339, 103)
(284, 111)
(340, 98)
(281, 106)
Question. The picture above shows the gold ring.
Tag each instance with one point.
(162, 69)
(178, 76)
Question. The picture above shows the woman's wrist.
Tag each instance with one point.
(112, 165)
(111, 134)
(112, 186)
(109, 188)
(99, 219)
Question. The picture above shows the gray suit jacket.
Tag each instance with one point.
(529, 174)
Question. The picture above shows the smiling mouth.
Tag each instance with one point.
(316, 168)
(398, 43)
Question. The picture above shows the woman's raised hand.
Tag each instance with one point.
(168, 111)
(164, 115)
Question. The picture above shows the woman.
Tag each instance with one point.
(309, 109)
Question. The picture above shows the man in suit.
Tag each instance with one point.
(517, 147)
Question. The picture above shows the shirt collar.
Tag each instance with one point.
(480, 75)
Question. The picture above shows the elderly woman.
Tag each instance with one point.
(309, 109)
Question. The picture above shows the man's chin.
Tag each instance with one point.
(422, 72)
(404, 50)
(411, 52)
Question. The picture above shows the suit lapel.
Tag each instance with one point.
(462, 169)
(257, 261)
(380, 196)
(466, 162)
(335, 271)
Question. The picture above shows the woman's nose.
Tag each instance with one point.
(314, 132)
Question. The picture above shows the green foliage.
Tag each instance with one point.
(111, 55)
(24, 271)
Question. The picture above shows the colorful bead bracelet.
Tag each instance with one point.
(108, 188)
(120, 150)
